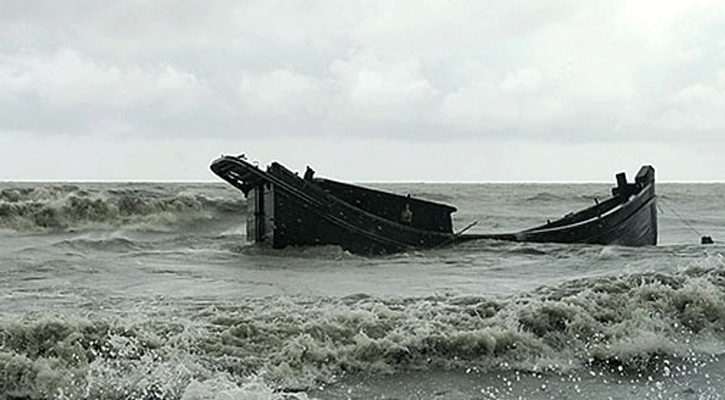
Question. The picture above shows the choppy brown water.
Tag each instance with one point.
(148, 290)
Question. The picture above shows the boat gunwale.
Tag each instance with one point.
(617, 207)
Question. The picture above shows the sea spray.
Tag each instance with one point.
(637, 325)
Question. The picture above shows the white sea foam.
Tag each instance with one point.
(635, 325)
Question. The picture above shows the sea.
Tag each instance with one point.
(149, 290)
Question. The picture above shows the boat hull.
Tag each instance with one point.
(284, 209)
(634, 224)
(628, 218)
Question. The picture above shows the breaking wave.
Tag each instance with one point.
(638, 325)
(68, 207)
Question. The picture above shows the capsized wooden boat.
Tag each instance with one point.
(284, 209)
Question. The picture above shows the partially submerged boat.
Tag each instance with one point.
(284, 209)
(627, 218)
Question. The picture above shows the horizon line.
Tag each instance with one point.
(351, 181)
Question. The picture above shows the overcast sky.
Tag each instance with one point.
(373, 90)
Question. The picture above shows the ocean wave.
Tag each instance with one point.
(643, 324)
(634, 325)
(324, 252)
(68, 207)
(544, 197)
(46, 358)
(640, 325)
(77, 358)
(114, 244)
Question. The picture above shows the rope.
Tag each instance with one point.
(680, 217)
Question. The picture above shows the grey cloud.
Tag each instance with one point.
(555, 70)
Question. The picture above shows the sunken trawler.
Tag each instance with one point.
(284, 209)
